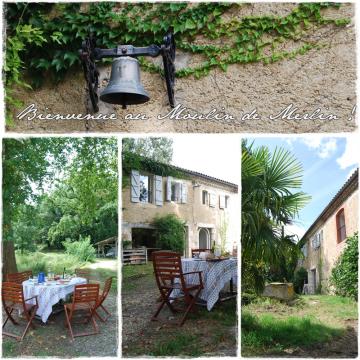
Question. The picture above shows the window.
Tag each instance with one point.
(340, 226)
(304, 250)
(145, 189)
(176, 191)
(227, 200)
(205, 197)
(316, 240)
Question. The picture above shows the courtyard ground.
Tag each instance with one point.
(316, 326)
(204, 333)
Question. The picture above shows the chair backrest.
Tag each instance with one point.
(198, 251)
(12, 293)
(107, 287)
(167, 267)
(83, 273)
(86, 293)
(19, 277)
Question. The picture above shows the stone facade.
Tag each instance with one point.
(204, 203)
(323, 242)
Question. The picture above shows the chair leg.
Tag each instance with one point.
(100, 317)
(191, 304)
(8, 313)
(28, 324)
(154, 318)
(68, 323)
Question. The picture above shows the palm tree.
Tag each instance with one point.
(270, 201)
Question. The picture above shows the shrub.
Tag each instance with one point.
(81, 249)
(344, 276)
(299, 279)
(170, 233)
(247, 298)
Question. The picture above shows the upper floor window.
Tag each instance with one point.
(223, 201)
(304, 250)
(145, 188)
(176, 191)
(340, 226)
(205, 197)
(316, 240)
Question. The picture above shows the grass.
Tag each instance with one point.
(266, 332)
(270, 326)
(131, 272)
(178, 344)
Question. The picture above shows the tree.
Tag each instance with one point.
(158, 149)
(25, 164)
(269, 202)
(54, 189)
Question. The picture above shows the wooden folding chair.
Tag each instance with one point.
(12, 296)
(198, 251)
(19, 277)
(102, 298)
(167, 268)
(85, 298)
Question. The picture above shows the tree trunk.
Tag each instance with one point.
(8, 258)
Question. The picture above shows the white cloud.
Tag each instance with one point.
(325, 147)
(350, 155)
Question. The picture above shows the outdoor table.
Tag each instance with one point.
(215, 275)
(49, 294)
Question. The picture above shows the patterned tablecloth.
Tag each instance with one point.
(215, 276)
(49, 295)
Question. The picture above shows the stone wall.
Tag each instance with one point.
(321, 78)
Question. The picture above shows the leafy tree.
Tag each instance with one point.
(170, 233)
(269, 202)
(155, 148)
(344, 276)
(54, 189)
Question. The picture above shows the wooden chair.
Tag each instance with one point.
(167, 269)
(12, 296)
(84, 300)
(102, 298)
(198, 251)
(19, 277)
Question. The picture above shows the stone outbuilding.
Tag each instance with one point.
(208, 206)
(324, 241)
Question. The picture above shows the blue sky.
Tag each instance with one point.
(327, 162)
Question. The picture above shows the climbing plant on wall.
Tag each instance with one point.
(43, 38)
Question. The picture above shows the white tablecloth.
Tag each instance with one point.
(49, 295)
(215, 276)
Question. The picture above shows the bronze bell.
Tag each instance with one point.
(124, 87)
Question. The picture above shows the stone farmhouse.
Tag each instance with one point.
(324, 241)
(209, 207)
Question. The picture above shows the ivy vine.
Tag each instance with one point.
(132, 161)
(43, 38)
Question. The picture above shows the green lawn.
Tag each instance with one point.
(269, 326)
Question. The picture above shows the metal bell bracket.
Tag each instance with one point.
(89, 54)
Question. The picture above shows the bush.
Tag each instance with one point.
(170, 233)
(344, 276)
(247, 298)
(81, 249)
(300, 278)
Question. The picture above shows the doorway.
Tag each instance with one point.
(204, 238)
